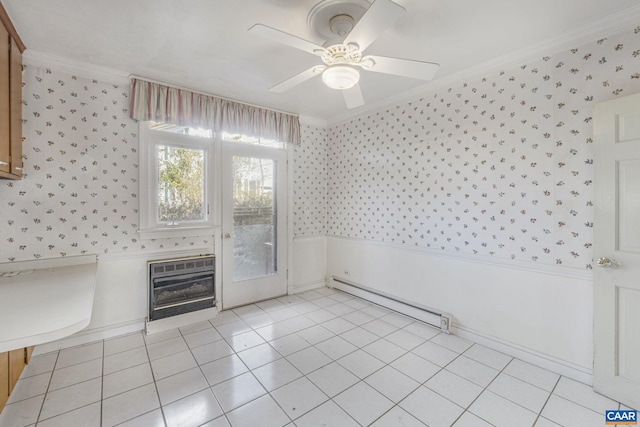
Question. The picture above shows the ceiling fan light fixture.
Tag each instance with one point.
(340, 77)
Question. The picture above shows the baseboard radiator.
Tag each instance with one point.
(427, 315)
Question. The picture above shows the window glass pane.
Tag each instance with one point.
(254, 218)
(180, 184)
(251, 140)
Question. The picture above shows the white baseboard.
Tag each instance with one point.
(90, 335)
(562, 367)
(296, 289)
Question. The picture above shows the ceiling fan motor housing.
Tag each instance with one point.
(341, 25)
(341, 54)
(333, 20)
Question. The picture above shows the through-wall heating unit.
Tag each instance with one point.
(181, 289)
(427, 315)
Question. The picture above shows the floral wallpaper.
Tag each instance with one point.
(310, 183)
(79, 194)
(501, 166)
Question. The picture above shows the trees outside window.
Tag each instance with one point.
(181, 174)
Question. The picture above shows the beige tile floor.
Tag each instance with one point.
(320, 358)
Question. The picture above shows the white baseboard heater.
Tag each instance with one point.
(427, 315)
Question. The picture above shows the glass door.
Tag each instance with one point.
(253, 224)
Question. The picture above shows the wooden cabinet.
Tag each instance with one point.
(11, 365)
(17, 361)
(11, 48)
(5, 105)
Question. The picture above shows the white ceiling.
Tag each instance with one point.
(204, 44)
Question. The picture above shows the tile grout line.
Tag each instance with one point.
(284, 385)
(210, 388)
(483, 390)
(124, 369)
(378, 338)
(268, 392)
(547, 400)
(306, 375)
(182, 335)
(389, 364)
(273, 321)
(53, 369)
(155, 383)
(65, 387)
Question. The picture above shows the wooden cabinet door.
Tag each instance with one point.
(15, 94)
(5, 111)
(4, 379)
(16, 365)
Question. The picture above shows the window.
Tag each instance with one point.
(176, 179)
(181, 184)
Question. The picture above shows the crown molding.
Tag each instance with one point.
(46, 60)
(612, 24)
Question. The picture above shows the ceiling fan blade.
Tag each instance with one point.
(297, 79)
(381, 15)
(353, 97)
(402, 67)
(286, 38)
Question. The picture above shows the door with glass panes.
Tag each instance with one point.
(254, 236)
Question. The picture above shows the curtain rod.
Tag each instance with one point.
(134, 76)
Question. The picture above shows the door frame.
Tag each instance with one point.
(280, 156)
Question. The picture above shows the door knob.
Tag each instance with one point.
(604, 262)
(227, 235)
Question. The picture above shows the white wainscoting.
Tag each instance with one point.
(309, 264)
(120, 304)
(541, 314)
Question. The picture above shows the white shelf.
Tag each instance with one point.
(52, 301)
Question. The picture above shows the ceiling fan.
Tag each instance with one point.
(342, 56)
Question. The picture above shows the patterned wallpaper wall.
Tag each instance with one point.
(80, 189)
(310, 183)
(500, 166)
(79, 194)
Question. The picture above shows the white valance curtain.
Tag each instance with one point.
(157, 102)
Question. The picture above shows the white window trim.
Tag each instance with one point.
(149, 227)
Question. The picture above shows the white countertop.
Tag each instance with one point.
(46, 301)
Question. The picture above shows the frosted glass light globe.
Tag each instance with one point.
(340, 77)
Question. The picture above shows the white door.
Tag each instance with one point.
(617, 250)
(254, 239)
